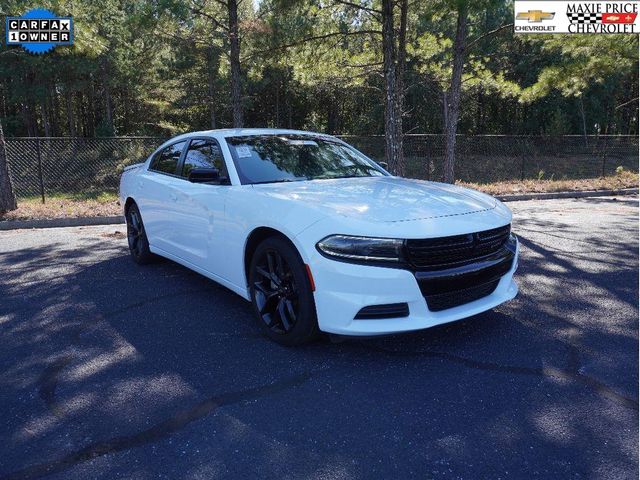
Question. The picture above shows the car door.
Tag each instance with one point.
(158, 197)
(200, 209)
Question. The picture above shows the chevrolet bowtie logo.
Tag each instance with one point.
(535, 16)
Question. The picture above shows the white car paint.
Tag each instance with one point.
(206, 227)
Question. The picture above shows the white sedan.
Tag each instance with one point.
(318, 236)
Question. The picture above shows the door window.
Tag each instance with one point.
(166, 161)
(204, 154)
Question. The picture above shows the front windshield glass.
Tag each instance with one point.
(290, 158)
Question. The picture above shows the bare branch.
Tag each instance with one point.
(372, 11)
(488, 34)
(188, 39)
(360, 65)
(626, 103)
(12, 51)
(315, 38)
(214, 20)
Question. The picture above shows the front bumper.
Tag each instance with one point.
(343, 289)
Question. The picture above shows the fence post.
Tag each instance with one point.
(40, 168)
(427, 158)
(604, 156)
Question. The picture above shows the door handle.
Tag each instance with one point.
(174, 197)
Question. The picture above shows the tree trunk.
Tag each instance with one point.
(54, 107)
(584, 122)
(212, 67)
(399, 94)
(7, 196)
(236, 79)
(126, 107)
(86, 114)
(277, 106)
(452, 97)
(332, 114)
(29, 119)
(45, 118)
(393, 143)
(107, 98)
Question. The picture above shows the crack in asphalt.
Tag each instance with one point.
(31, 308)
(572, 373)
(158, 431)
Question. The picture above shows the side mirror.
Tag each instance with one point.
(204, 175)
(384, 165)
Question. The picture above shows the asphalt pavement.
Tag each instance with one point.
(112, 370)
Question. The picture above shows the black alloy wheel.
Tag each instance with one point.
(281, 293)
(137, 237)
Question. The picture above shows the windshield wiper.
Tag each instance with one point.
(281, 180)
(333, 177)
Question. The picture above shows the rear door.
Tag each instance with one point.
(201, 207)
(159, 196)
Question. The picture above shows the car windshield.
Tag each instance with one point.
(289, 158)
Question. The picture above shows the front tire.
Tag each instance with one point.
(137, 237)
(281, 293)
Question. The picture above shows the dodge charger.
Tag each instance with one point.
(316, 235)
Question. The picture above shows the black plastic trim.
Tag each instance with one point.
(444, 301)
(466, 276)
(444, 289)
(443, 253)
(377, 312)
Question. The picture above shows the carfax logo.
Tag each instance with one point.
(39, 31)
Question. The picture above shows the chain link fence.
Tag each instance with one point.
(53, 166)
(494, 158)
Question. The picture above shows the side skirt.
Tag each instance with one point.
(242, 291)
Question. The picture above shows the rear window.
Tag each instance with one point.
(203, 154)
(166, 160)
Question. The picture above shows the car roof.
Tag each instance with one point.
(239, 132)
(242, 132)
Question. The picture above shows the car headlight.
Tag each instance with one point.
(362, 249)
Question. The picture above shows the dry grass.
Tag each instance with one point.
(106, 204)
(65, 206)
(624, 179)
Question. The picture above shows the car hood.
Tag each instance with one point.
(381, 199)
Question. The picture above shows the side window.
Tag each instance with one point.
(166, 160)
(204, 154)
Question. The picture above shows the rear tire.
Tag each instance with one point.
(281, 293)
(137, 237)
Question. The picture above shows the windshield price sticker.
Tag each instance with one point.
(243, 151)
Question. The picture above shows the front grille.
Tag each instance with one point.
(443, 301)
(389, 310)
(446, 252)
